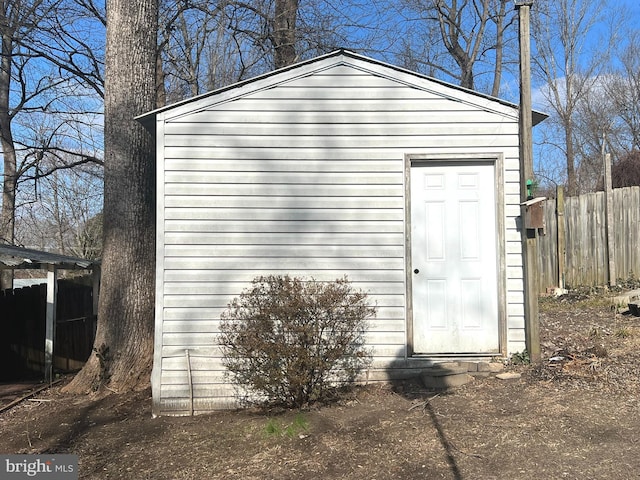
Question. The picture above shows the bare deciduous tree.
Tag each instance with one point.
(48, 72)
(622, 86)
(626, 172)
(459, 40)
(18, 20)
(207, 44)
(124, 339)
(56, 212)
(569, 59)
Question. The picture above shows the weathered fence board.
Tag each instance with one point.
(585, 239)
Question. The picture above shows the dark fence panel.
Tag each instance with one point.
(22, 320)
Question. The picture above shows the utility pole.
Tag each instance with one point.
(529, 240)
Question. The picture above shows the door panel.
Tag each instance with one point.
(453, 258)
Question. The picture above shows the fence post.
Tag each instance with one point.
(608, 206)
(50, 323)
(562, 242)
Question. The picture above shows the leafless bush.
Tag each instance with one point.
(292, 341)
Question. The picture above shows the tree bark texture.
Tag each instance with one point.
(284, 32)
(9, 183)
(499, 19)
(123, 348)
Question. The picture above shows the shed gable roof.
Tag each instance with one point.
(339, 58)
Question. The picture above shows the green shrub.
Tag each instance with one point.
(521, 358)
(292, 342)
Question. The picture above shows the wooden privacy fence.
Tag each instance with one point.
(22, 320)
(574, 251)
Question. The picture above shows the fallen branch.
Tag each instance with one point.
(423, 404)
(28, 396)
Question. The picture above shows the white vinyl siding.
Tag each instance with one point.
(304, 177)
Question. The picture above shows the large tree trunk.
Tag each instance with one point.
(284, 32)
(123, 349)
(499, 18)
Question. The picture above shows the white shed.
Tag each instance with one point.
(341, 165)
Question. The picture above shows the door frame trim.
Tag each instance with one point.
(426, 159)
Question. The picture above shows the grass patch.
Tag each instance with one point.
(583, 298)
(589, 297)
(275, 428)
(623, 332)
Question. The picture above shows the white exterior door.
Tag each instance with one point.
(454, 258)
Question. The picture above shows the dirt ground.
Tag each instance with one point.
(573, 416)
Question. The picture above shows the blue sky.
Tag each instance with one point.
(510, 81)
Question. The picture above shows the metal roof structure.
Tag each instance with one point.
(12, 257)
